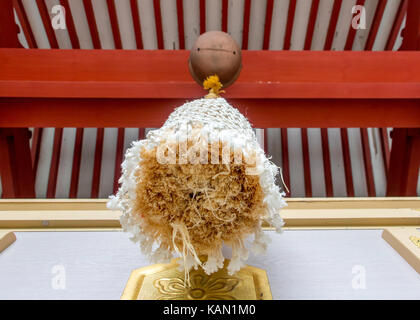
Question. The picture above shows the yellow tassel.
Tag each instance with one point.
(213, 84)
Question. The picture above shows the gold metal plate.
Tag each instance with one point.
(166, 282)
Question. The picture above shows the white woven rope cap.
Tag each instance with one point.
(212, 120)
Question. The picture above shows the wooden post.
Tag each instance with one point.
(15, 158)
(404, 163)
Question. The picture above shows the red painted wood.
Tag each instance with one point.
(367, 160)
(247, 14)
(15, 166)
(379, 12)
(306, 163)
(8, 27)
(285, 160)
(136, 23)
(74, 39)
(411, 35)
(347, 162)
(77, 158)
(180, 14)
(162, 74)
(385, 147)
(118, 158)
(55, 161)
(225, 15)
(90, 15)
(265, 142)
(158, 23)
(263, 113)
(46, 21)
(97, 163)
(311, 24)
(396, 27)
(142, 133)
(333, 24)
(36, 148)
(404, 162)
(202, 16)
(289, 25)
(267, 27)
(327, 163)
(114, 24)
(352, 32)
(24, 22)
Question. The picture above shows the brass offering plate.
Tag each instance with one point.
(166, 282)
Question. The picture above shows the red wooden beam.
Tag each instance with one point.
(90, 15)
(333, 24)
(396, 27)
(158, 23)
(351, 35)
(306, 163)
(74, 39)
(164, 74)
(8, 27)
(267, 27)
(411, 36)
(97, 163)
(136, 23)
(202, 16)
(289, 25)
(151, 113)
(46, 21)
(77, 157)
(379, 13)
(225, 15)
(36, 148)
(180, 14)
(24, 23)
(367, 162)
(347, 162)
(311, 24)
(55, 161)
(114, 24)
(247, 14)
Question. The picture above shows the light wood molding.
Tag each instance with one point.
(6, 239)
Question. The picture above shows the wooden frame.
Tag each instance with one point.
(301, 213)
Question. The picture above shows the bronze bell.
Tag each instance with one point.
(215, 53)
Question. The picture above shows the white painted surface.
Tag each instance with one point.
(310, 264)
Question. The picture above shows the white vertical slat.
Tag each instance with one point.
(21, 35)
(377, 159)
(236, 19)
(278, 24)
(357, 164)
(62, 35)
(65, 163)
(131, 135)
(343, 25)
(321, 25)
(213, 15)
(297, 179)
(317, 164)
(191, 22)
(399, 40)
(257, 24)
(125, 23)
(148, 24)
(169, 24)
(418, 186)
(337, 162)
(86, 164)
(363, 34)
(44, 164)
(35, 21)
(300, 24)
(385, 27)
(106, 181)
(274, 145)
(103, 23)
(81, 24)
